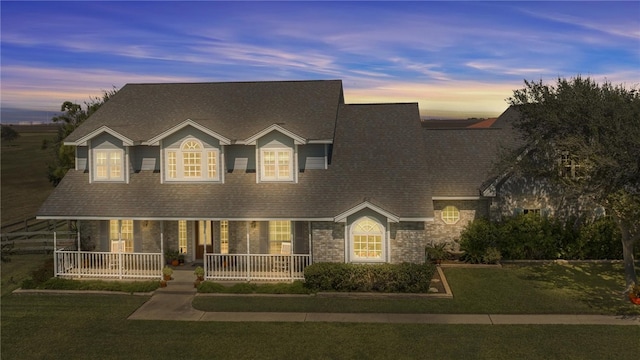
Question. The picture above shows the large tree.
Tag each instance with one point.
(73, 115)
(585, 137)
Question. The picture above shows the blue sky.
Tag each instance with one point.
(456, 59)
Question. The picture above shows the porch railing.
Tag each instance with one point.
(255, 267)
(71, 263)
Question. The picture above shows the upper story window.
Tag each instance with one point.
(277, 165)
(192, 162)
(108, 165)
(568, 166)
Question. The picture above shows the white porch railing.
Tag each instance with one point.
(70, 263)
(255, 267)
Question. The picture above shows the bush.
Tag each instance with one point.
(530, 237)
(476, 238)
(404, 278)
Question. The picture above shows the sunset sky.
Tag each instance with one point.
(456, 59)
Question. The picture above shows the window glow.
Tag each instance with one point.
(192, 162)
(182, 236)
(224, 237)
(367, 239)
(450, 215)
(108, 165)
(279, 232)
(122, 228)
(276, 165)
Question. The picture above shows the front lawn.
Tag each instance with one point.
(96, 326)
(587, 288)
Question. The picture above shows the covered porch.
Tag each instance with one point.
(227, 250)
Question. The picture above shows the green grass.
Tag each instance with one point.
(96, 326)
(536, 289)
(24, 176)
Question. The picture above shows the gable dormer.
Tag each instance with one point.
(191, 152)
(104, 153)
(276, 154)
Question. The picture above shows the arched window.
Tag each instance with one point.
(367, 239)
(192, 162)
(450, 215)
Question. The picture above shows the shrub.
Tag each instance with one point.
(491, 256)
(476, 238)
(405, 277)
(530, 237)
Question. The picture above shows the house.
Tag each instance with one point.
(257, 180)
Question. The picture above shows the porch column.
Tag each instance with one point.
(162, 260)
(248, 262)
(78, 260)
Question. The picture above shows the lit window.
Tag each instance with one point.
(182, 236)
(367, 235)
(191, 162)
(279, 232)
(108, 165)
(450, 215)
(224, 237)
(276, 165)
(121, 229)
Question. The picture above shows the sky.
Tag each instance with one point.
(456, 59)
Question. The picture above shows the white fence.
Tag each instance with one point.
(91, 264)
(255, 267)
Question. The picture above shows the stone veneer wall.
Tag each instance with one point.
(438, 232)
(327, 241)
(407, 242)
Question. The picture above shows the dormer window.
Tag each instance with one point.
(108, 165)
(277, 164)
(192, 162)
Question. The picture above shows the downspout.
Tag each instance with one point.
(55, 255)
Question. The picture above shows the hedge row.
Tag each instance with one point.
(531, 237)
(404, 277)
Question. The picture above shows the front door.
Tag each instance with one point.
(204, 236)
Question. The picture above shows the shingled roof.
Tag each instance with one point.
(461, 160)
(236, 110)
(378, 159)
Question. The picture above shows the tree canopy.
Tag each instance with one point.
(597, 128)
(9, 133)
(73, 115)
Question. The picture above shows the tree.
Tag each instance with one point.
(9, 133)
(593, 130)
(73, 116)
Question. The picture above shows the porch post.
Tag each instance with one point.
(248, 251)
(55, 255)
(78, 262)
(161, 246)
(204, 255)
(120, 249)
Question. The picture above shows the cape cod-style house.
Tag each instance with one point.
(257, 180)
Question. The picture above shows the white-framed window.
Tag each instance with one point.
(224, 237)
(192, 162)
(121, 229)
(279, 232)
(367, 240)
(182, 236)
(450, 215)
(108, 165)
(277, 165)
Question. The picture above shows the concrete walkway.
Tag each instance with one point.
(174, 303)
